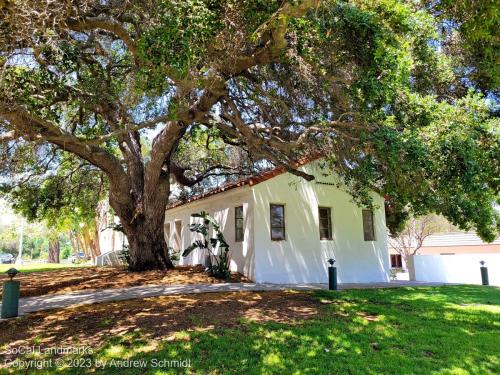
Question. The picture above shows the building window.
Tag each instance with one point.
(325, 223)
(368, 228)
(239, 232)
(396, 261)
(277, 222)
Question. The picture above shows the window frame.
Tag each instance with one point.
(372, 226)
(237, 238)
(271, 227)
(398, 261)
(329, 227)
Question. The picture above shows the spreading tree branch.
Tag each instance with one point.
(36, 128)
(108, 24)
(272, 36)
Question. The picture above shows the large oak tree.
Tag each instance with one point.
(374, 85)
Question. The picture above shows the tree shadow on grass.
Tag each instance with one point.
(155, 318)
(359, 332)
(394, 331)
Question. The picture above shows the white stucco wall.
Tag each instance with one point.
(302, 257)
(222, 207)
(459, 268)
(109, 239)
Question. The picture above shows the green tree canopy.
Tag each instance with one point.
(470, 36)
(64, 198)
(399, 95)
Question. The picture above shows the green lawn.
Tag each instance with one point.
(39, 267)
(441, 330)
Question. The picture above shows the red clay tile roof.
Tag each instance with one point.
(247, 181)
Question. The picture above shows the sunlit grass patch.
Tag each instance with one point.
(443, 330)
(41, 267)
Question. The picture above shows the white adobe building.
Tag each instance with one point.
(282, 229)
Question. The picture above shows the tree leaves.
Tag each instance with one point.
(387, 89)
(216, 247)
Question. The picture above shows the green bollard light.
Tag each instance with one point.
(332, 275)
(10, 296)
(484, 273)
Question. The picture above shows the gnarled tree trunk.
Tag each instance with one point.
(147, 246)
(142, 220)
(54, 250)
(147, 249)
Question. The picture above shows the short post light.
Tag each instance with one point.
(484, 273)
(332, 275)
(10, 295)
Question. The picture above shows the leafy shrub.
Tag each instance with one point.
(124, 255)
(216, 247)
(173, 254)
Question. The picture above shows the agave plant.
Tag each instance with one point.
(216, 247)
